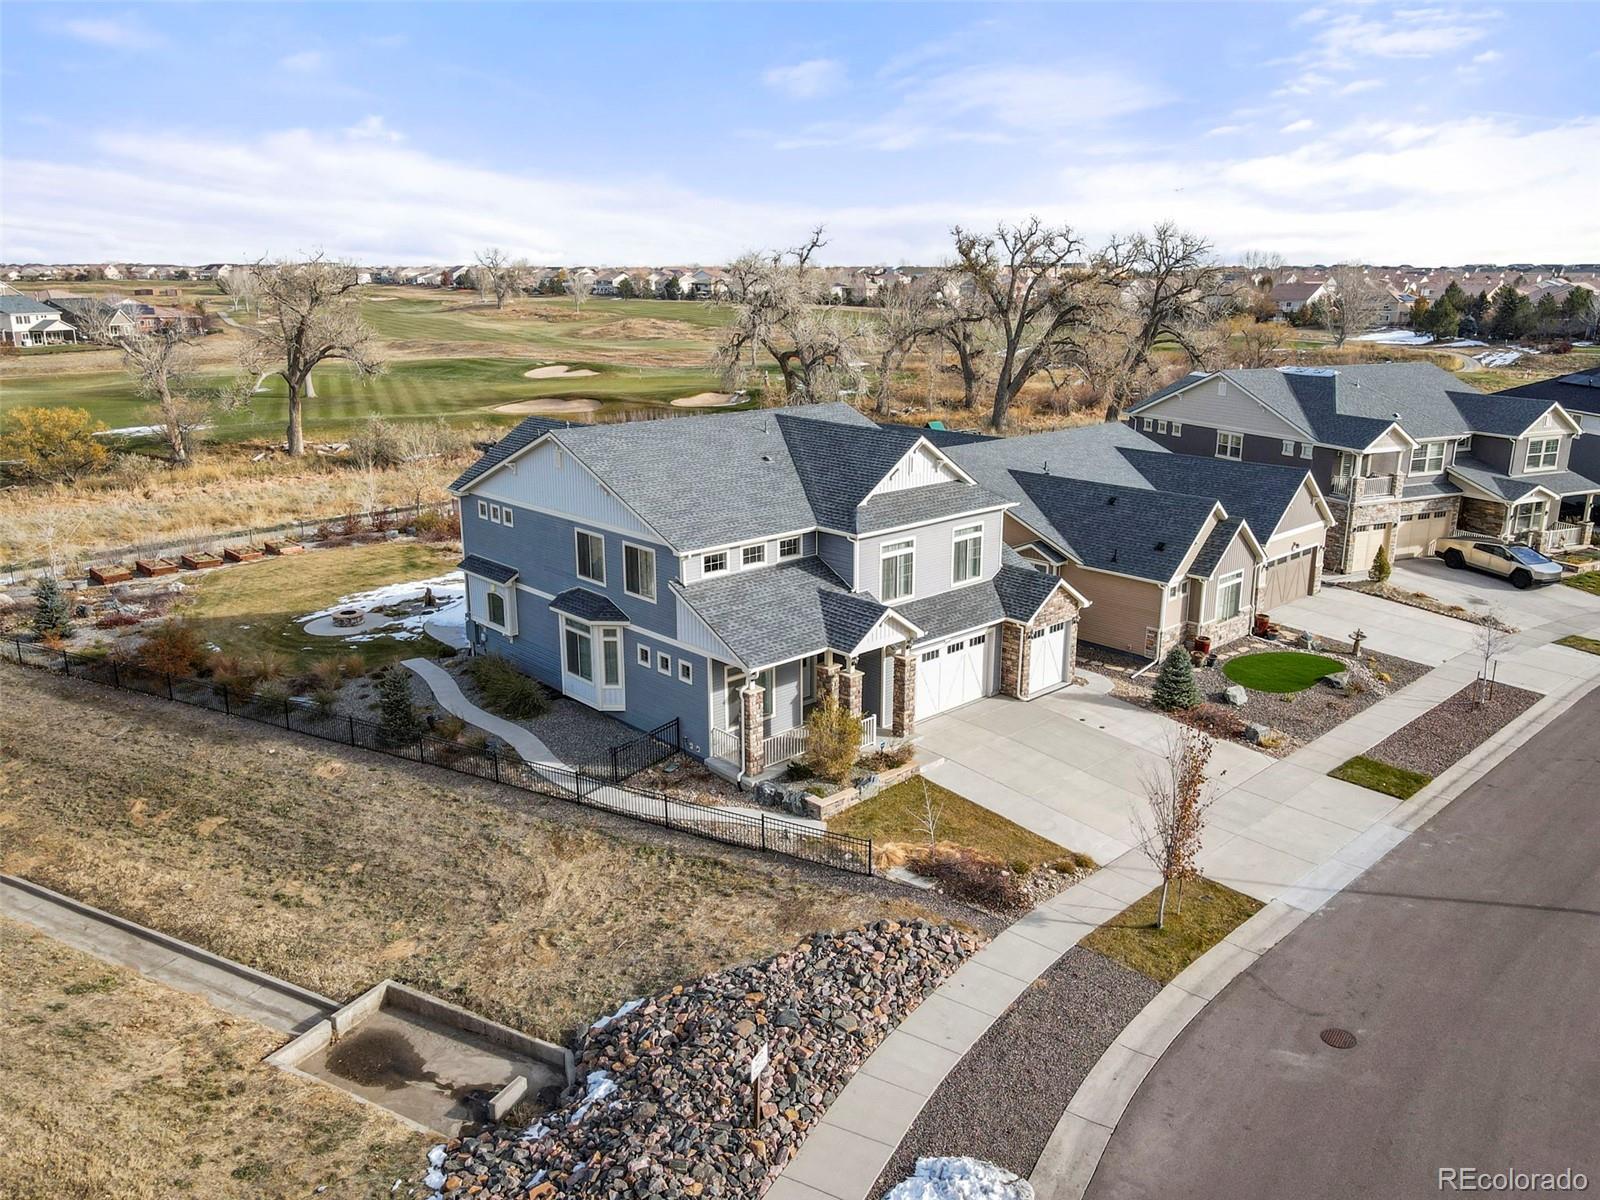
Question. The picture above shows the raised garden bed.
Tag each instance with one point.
(237, 554)
(112, 573)
(281, 548)
(199, 561)
(152, 567)
(1400, 595)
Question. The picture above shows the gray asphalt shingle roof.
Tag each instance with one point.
(1216, 545)
(913, 505)
(1512, 488)
(487, 568)
(23, 304)
(1577, 392)
(525, 433)
(1132, 531)
(587, 606)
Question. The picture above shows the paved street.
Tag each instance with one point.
(1465, 962)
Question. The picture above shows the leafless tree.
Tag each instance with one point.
(498, 272)
(1171, 291)
(1355, 302)
(1263, 266)
(932, 813)
(1490, 640)
(909, 313)
(311, 317)
(780, 309)
(964, 331)
(240, 285)
(1176, 789)
(580, 286)
(1247, 342)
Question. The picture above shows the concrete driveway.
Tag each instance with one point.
(1481, 593)
(1068, 766)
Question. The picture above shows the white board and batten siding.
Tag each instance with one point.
(548, 478)
(922, 466)
(957, 671)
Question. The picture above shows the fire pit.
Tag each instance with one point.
(348, 618)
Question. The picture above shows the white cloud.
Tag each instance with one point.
(1487, 57)
(118, 33)
(1347, 35)
(1356, 86)
(1300, 126)
(303, 62)
(1224, 130)
(373, 128)
(803, 80)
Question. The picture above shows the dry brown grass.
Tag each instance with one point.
(334, 869)
(223, 491)
(119, 1087)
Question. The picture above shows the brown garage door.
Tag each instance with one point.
(1287, 579)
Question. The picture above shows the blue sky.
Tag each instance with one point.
(651, 133)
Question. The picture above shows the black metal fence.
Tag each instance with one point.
(753, 831)
(662, 742)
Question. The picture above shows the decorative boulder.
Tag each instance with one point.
(1257, 734)
(1236, 696)
(1338, 679)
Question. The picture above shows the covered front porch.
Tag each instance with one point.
(1547, 520)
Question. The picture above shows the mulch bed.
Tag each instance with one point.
(1002, 1101)
(1452, 729)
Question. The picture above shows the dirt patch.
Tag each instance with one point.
(1452, 729)
(639, 329)
(558, 371)
(551, 406)
(706, 400)
(142, 1092)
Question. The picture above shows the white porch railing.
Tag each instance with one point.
(869, 731)
(781, 747)
(725, 745)
(790, 744)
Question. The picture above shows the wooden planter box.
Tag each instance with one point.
(114, 573)
(199, 562)
(276, 548)
(243, 553)
(151, 567)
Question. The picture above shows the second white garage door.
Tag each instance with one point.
(1047, 658)
(957, 672)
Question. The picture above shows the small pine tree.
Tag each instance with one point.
(52, 616)
(1175, 686)
(1381, 567)
(397, 719)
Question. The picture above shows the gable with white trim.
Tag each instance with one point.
(921, 466)
(1221, 404)
(548, 478)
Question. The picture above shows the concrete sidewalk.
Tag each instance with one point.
(448, 693)
(233, 986)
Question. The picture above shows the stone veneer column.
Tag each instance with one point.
(1014, 660)
(903, 715)
(827, 680)
(752, 730)
(850, 690)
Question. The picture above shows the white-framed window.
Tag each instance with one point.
(494, 513)
(1306, 449)
(714, 563)
(753, 556)
(1230, 594)
(1161, 425)
(1428, 459)
(579, 650)
(1528, 515)
(685, 671)
(789, 547)
(591, 556)
(967, 559)
(497, 608)
(898, 568)
(1288, 448)
(639, 571)
(611, 657)
(483, 510)
(1230, 445)
(643, 652)
(1149, 424)
(1177, 429)
(505, 515)
(663, 662)
(1544, 454)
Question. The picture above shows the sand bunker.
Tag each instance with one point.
(706, 400)
(557, 371)
(551, 405)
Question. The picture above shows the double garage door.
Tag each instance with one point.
(1419, 530)
(958, 672)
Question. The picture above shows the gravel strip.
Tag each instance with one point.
(1452, 729)
(1400, 595)
(1003, 1099)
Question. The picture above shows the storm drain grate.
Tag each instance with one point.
(1339, 1039)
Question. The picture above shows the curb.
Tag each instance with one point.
(1072, 1155)
(177, 945)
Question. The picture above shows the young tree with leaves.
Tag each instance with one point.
(51, 445)
(1175, 688)
(1176, 790)
(52, 615)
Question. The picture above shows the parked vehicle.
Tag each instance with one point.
(1522, 565)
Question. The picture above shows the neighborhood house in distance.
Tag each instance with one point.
(729, 571)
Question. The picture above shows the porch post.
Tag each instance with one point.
(850, 688)
(752, 730)
(827, 679)
(903, 716)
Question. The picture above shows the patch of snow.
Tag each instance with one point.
(1463, 342)
(1499, 358)
(1397, 337)
(961, 1179)
(436, 1156)
(450, 592)
(618, 1015)
(600, 1085)
(434, 1179)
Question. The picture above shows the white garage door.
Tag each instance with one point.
(957, 672)
(1365, 543)
(1047, 658)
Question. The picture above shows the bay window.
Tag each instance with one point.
(580, 650)
(1528, 516)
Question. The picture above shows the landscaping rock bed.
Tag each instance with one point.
(1427, 603)
(663, 1107)
(1001, 1102)
(686, 778)
(1452, 729)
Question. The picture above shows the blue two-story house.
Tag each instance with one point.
(730, 570)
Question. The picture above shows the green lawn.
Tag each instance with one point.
(1279, 670)
(463, 389)
(1589, 582)
(1210, 912)
(1578, 642)
(252, 609)
(895, 816)
(1381, 777)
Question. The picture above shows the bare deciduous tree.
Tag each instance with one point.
(780, 309)
(579, 285)
(499, 273)
(909, 313)
(1247, 342)
(241, 287)
(932, 813)
(1176, 789)
(311, 318)
(1355, 303)
(1171, 290)
(1490, 640)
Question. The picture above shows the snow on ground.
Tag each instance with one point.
(960, 1179)
(1500, 358)
(449, 591)
(1397, 337)
(1462, 343)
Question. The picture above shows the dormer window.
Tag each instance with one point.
(753, 556)
(1544, 454)
(714, 564)
(789, 547)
